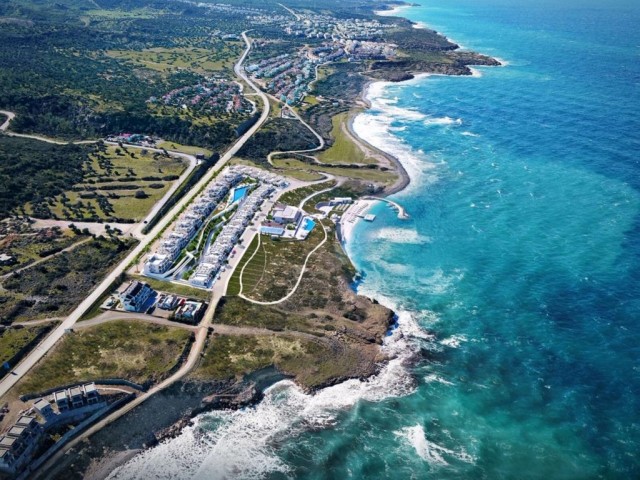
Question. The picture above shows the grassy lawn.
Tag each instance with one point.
(138, 352)
(234, 282)
(111, 181)
(275, 268)
(199, 60)
(344, 149)
(294, 197)
(55, 287)
(364, 173)
(13, 339)
(184, 148)
(177, 289)
(293, 170)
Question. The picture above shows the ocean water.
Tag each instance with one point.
(516, 279)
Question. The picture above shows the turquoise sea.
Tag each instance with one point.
(516, 280)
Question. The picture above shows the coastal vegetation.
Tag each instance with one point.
(274, 269)
(26, 245)
(13, 340)
(138, 352)
(55, 287)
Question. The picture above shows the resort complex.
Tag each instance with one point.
(227, 205)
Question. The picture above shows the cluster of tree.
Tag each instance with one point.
(33, 171)
(66, 85)
(277, 134)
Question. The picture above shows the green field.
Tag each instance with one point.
(362, 173)
(275, 268)
(233, 287)
(138, 352)
(177, 289)
(294, 197)
(184, 148)
(344, 149)
(219, 58)
(14, 339)
(111, 181)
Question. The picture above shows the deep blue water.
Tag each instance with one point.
(517, 278)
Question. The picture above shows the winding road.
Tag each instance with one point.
(35, 355)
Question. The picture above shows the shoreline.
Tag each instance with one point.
(109, 462)
(360, 207)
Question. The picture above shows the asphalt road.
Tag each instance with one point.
(36, 354)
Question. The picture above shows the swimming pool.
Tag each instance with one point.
(239, 193)
(308, 224)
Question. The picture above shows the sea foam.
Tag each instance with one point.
(241, 444)
(430, 451)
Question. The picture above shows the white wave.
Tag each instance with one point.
(242, 444)
(433, 378)
(401, 235)
(395, 268)
(376, 130)
(430, 451)
(475, 72)
(470, 134)
(454, 341)
(443, 121)
(439, 282)
(392, 12)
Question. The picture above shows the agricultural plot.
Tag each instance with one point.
(118, 184)
(219, 58)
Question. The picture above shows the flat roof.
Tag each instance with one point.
(90, 387)
(7, 442)
(60, 395)
(25, 420)
(41, 403)
(75, 391)
(16, 431)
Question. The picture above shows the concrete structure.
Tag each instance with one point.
(135, 296)
(18, 444)
(44, 409)
(285, 214)
(272, 228)
(62, 400)
(340, 201)
(190, 312)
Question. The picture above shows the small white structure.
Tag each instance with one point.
(285, 214)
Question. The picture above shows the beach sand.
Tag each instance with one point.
(350, 217)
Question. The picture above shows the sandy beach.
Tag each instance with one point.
(350, 217)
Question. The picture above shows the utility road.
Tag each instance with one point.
(30, 360)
